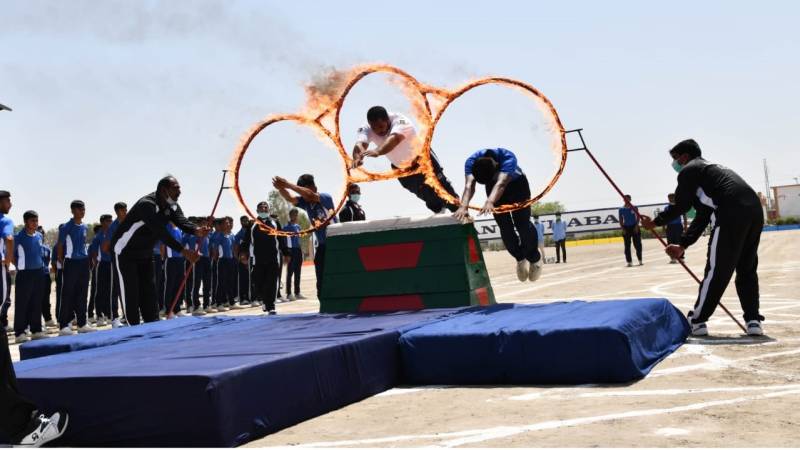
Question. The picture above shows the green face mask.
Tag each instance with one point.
(355, 197)
(676, 165)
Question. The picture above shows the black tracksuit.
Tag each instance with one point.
(15, 410)
(351, 212)
(518, 233)
(417, 186)
(133, 242)
(724, 199)
(264, 249)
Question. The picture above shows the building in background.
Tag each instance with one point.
(787, 200)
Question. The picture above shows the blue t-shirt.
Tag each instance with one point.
(111, 229)
(6, 229)
(239, 236)
(292, 241)
(505, 158)
(222, 243)
(190, 242)
(628, 217)
(46, 255)
(96, 247)
(28, 250)
(73, 238)
(539, 231)
(318, 212)
(178, 235)
(675, 221)
(559, 230)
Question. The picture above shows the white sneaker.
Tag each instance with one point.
(699, 329)
(256, 303)
(224, 308)
(292, 297)
(162, 313)
(237, 306)
(199, 312)
(181, 314)
(66, 331)
(300, 297)
(535, 271)
(21, 339)
(522, 270)
(101, 322)
(51, 324)
(44, 429)
(116, 323)
(754, 328)
(39, 335)
(86, 329)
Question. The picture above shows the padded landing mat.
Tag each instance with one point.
(577, 342)
(221, 384)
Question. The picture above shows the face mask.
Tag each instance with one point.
(263, 215)
(170, 201)
(676, 165)
(355, 197)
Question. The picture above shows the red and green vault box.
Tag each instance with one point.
(403, 264)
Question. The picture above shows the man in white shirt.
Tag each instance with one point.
(395, 137)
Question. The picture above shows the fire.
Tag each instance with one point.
(322, 111)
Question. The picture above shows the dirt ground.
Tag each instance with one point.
(727, 390)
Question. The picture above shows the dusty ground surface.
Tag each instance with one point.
(727, 390)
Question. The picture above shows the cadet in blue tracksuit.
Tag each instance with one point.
(175, 267)
(506, 184)
(630, 231)
(201, 274)
(295, 257)
(214, 243)
(58, 270)
(75, 286)
(47, 314)
(244, 289)
(28, 284)
(103, 278)
(6, 257)
(226, 264)
(560, 238)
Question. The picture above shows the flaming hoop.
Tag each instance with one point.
(322, 114)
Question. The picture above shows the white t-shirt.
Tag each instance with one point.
(404, 153)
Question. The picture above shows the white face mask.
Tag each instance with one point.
(263, 215)
(170, 201)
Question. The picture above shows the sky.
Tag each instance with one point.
(109, 96)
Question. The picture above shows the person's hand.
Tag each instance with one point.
(461, 213)
(6, 261)
(202, 232)
(191, 255)
(488, 207)
(674, 251)
(279, 183)
(370, 153)
(647, 222)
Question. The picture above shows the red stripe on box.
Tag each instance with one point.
(473, 250)
(391, 303)
(390, 256)
(483, 296)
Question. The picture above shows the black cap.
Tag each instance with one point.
(77, 204)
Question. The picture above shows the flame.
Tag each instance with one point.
(326, 95)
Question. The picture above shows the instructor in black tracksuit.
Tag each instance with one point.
(264, 249)
(724, 199)
(133, 242)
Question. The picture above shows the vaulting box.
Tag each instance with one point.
(403, 264)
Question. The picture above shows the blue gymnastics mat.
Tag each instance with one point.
(577, 342)
(224, 381)
(216, 381)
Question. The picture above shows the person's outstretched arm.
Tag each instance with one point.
(469, 190)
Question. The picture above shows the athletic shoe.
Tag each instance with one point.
(66, 331)
(245, 303)
(271, 312)
(237, 306)
(300, 297)
(28, 332)
(292, 298)
(21, 339)
(198, 312)
(51, 323)
(224, 308)
(92, 319)
(211, 309)
(673, 261)
(522, 270)
(754, 328)
(181, 314)
(39, 335)
(641, 263)
(101, 322)
(86, 329)
(116, 323)
(630, 264)
(162, 313)
(256, 303)
(43, 429)
(699, 329)
(9, 329)
(535, 271)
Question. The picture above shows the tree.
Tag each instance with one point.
(542, 208)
